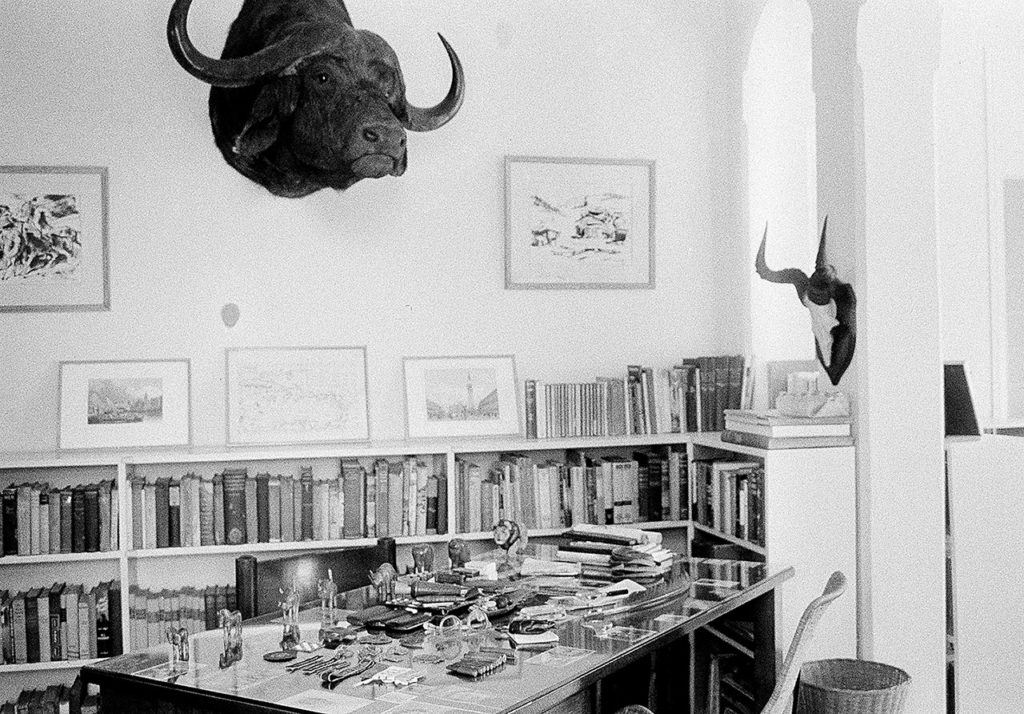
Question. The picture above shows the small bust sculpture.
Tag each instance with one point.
(458, 552)
(422, 558)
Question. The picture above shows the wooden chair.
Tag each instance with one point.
(780, 700)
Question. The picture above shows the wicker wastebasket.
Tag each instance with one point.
(856, 686)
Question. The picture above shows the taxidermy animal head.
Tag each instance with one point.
(301, 100)
(832, 305)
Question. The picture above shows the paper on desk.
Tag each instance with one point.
(534, 566)
(324, 701)
(487, 570)
(628, 585)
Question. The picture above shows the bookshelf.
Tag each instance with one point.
(808, 500)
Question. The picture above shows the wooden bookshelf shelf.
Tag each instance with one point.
(752, 547)
(58, 558)
(718, 634)
(256, 547)
(47, 666)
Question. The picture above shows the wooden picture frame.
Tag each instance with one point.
(296, 395)
(130, 403)
(579, 223)
(54, 253)
(461, 396)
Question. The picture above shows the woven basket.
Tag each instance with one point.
(853, 686)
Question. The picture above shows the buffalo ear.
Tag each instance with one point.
(274, 104)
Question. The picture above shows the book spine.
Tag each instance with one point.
(251, 511)
(382, 500)
(32, 625)
(104, 642)
(206, 513)
(287, 514)
(54, 521)
(162, 506)
(234, 507)
(218, 510)
(174, 514)
(274, 498)
(530, 404)
(9, 513)
(92, 519)
(55, 643)
(149, 524)
(262, 508)
(104, 515)
(351, 473)
(306, 502)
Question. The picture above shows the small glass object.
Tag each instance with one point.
(327, 589)
(177, 638)
(289, 604)
(231, 624)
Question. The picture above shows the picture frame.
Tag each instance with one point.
(474, 395)
(124, 403)
(579, 223)
(54, 253)
(296, 395)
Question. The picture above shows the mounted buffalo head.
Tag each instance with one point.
(301, 100)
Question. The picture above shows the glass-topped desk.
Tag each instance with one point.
(641, 648)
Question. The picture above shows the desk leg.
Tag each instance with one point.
(765, 665)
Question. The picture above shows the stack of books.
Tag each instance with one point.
(610, 553)
(770, 430)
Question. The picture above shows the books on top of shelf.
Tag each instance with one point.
(388, 498)
(60, 622)
(773, 424)
(689, 396)
(38, 519)
(760, 441)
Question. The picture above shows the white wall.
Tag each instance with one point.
(408, 266)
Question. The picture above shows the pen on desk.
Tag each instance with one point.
(620, 591)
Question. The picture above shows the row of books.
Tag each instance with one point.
(392, 497)
(690, 396)
(608, 554)
(729, 497)
(75, 698)
(60, 622)
(151, 612)
(553, 494)
(36, 518)
(768, 429)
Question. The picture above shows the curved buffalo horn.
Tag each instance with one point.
(242, 71)
(419, 119)
(822, 260)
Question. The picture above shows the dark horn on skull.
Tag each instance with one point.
(822, 260)
(420, 119)
(241, 71)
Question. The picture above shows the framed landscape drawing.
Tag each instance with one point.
(121, 404)
(282, 395)
(53, 238)
(461, 396)
(579, 223)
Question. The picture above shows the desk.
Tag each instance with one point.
(593, 676)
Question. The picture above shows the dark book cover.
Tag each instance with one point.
(721, 367)
(234, 505)
(442, 503)
(245, 581)
(251, 513)
(64, 498)
(352, 486)
(530, 406)
(221, 592)
(103, 491)
(654, 494)
(432, 504)
(263, 508)
(653, 425)
(218, 509)
(32, 624)
(114, 613)
(9, 514)
(92, 518)
(634, 399)
(56, 616)
(206, 536)
(54, 521)
(174, 514)
(210, 608)
(137, 484)
(104, 640)
(161, 498)
(306, 499)
(19, 626)
(643, 487)
(231, 595)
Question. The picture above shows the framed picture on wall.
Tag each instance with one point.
(53, 238)
(579, 223)
(461, 396)
(285, 395)
(120, 404)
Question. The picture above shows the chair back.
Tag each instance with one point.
(786, 680)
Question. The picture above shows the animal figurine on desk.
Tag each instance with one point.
(458, 552)
(177, 638)
(422, 558)
(384, 579)
(301, 100)
(231, 625)
(831, 303)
